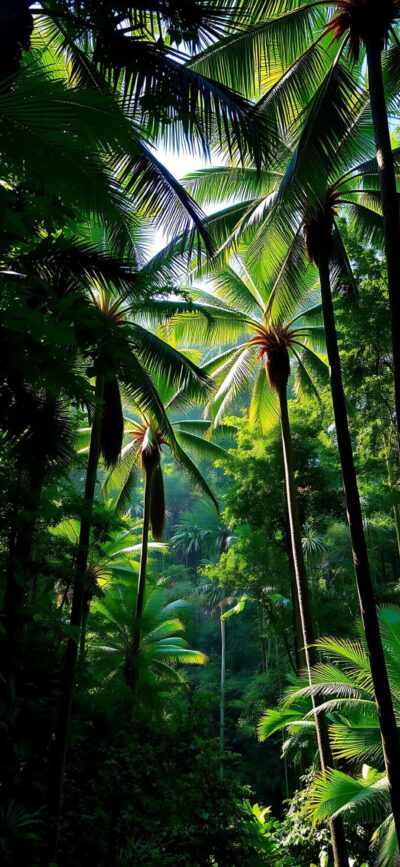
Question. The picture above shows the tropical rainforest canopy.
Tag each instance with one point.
(200, 433)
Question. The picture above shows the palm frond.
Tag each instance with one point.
(201, 448)
(264, 403)
(194, 474)
(334, 792)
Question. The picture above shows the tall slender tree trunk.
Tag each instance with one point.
(297, 627)
(71, 654)
(82, 641)
(387, 720)
(137, 626)
(131, 671)
(336, 825)
(389, 198)
(222, 692)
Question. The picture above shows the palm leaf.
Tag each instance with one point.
(264, 404)
(194, 473)
(201, 448)
(334, 793)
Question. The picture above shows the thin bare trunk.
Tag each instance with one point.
(222, 692)
(389, 198)
(137, 627)
(297, 627)
(71, 654)
(387, 720)
(131, 670)
(336, 825)
(82, 642)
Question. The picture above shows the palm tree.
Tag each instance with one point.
(309, 49)
(162, 646)
(272, 340)
(147, 665)
(342, 682)
(118, 560)
(146, 356)
(319, 238)
(129, 354)
(90, 137)
(125, 352)
(190, 541)
(145, 439)
(35, 414)
(313, 546)
(323, 176)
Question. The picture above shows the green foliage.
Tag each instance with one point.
(88, 91)
(342, 683)
(189, 824)
(309, 844)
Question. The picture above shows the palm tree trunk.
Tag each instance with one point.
(131, 670)
(82, 641)
(64, 712)
(137, 628)
(297, 627)
(387, 720)
(222, 692)
(336, 825)
(389, 198)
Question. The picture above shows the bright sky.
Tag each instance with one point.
(179, 165)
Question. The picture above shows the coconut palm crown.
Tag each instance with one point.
(143, 447)
(162, 646)
(299, 57)
(263, 342)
